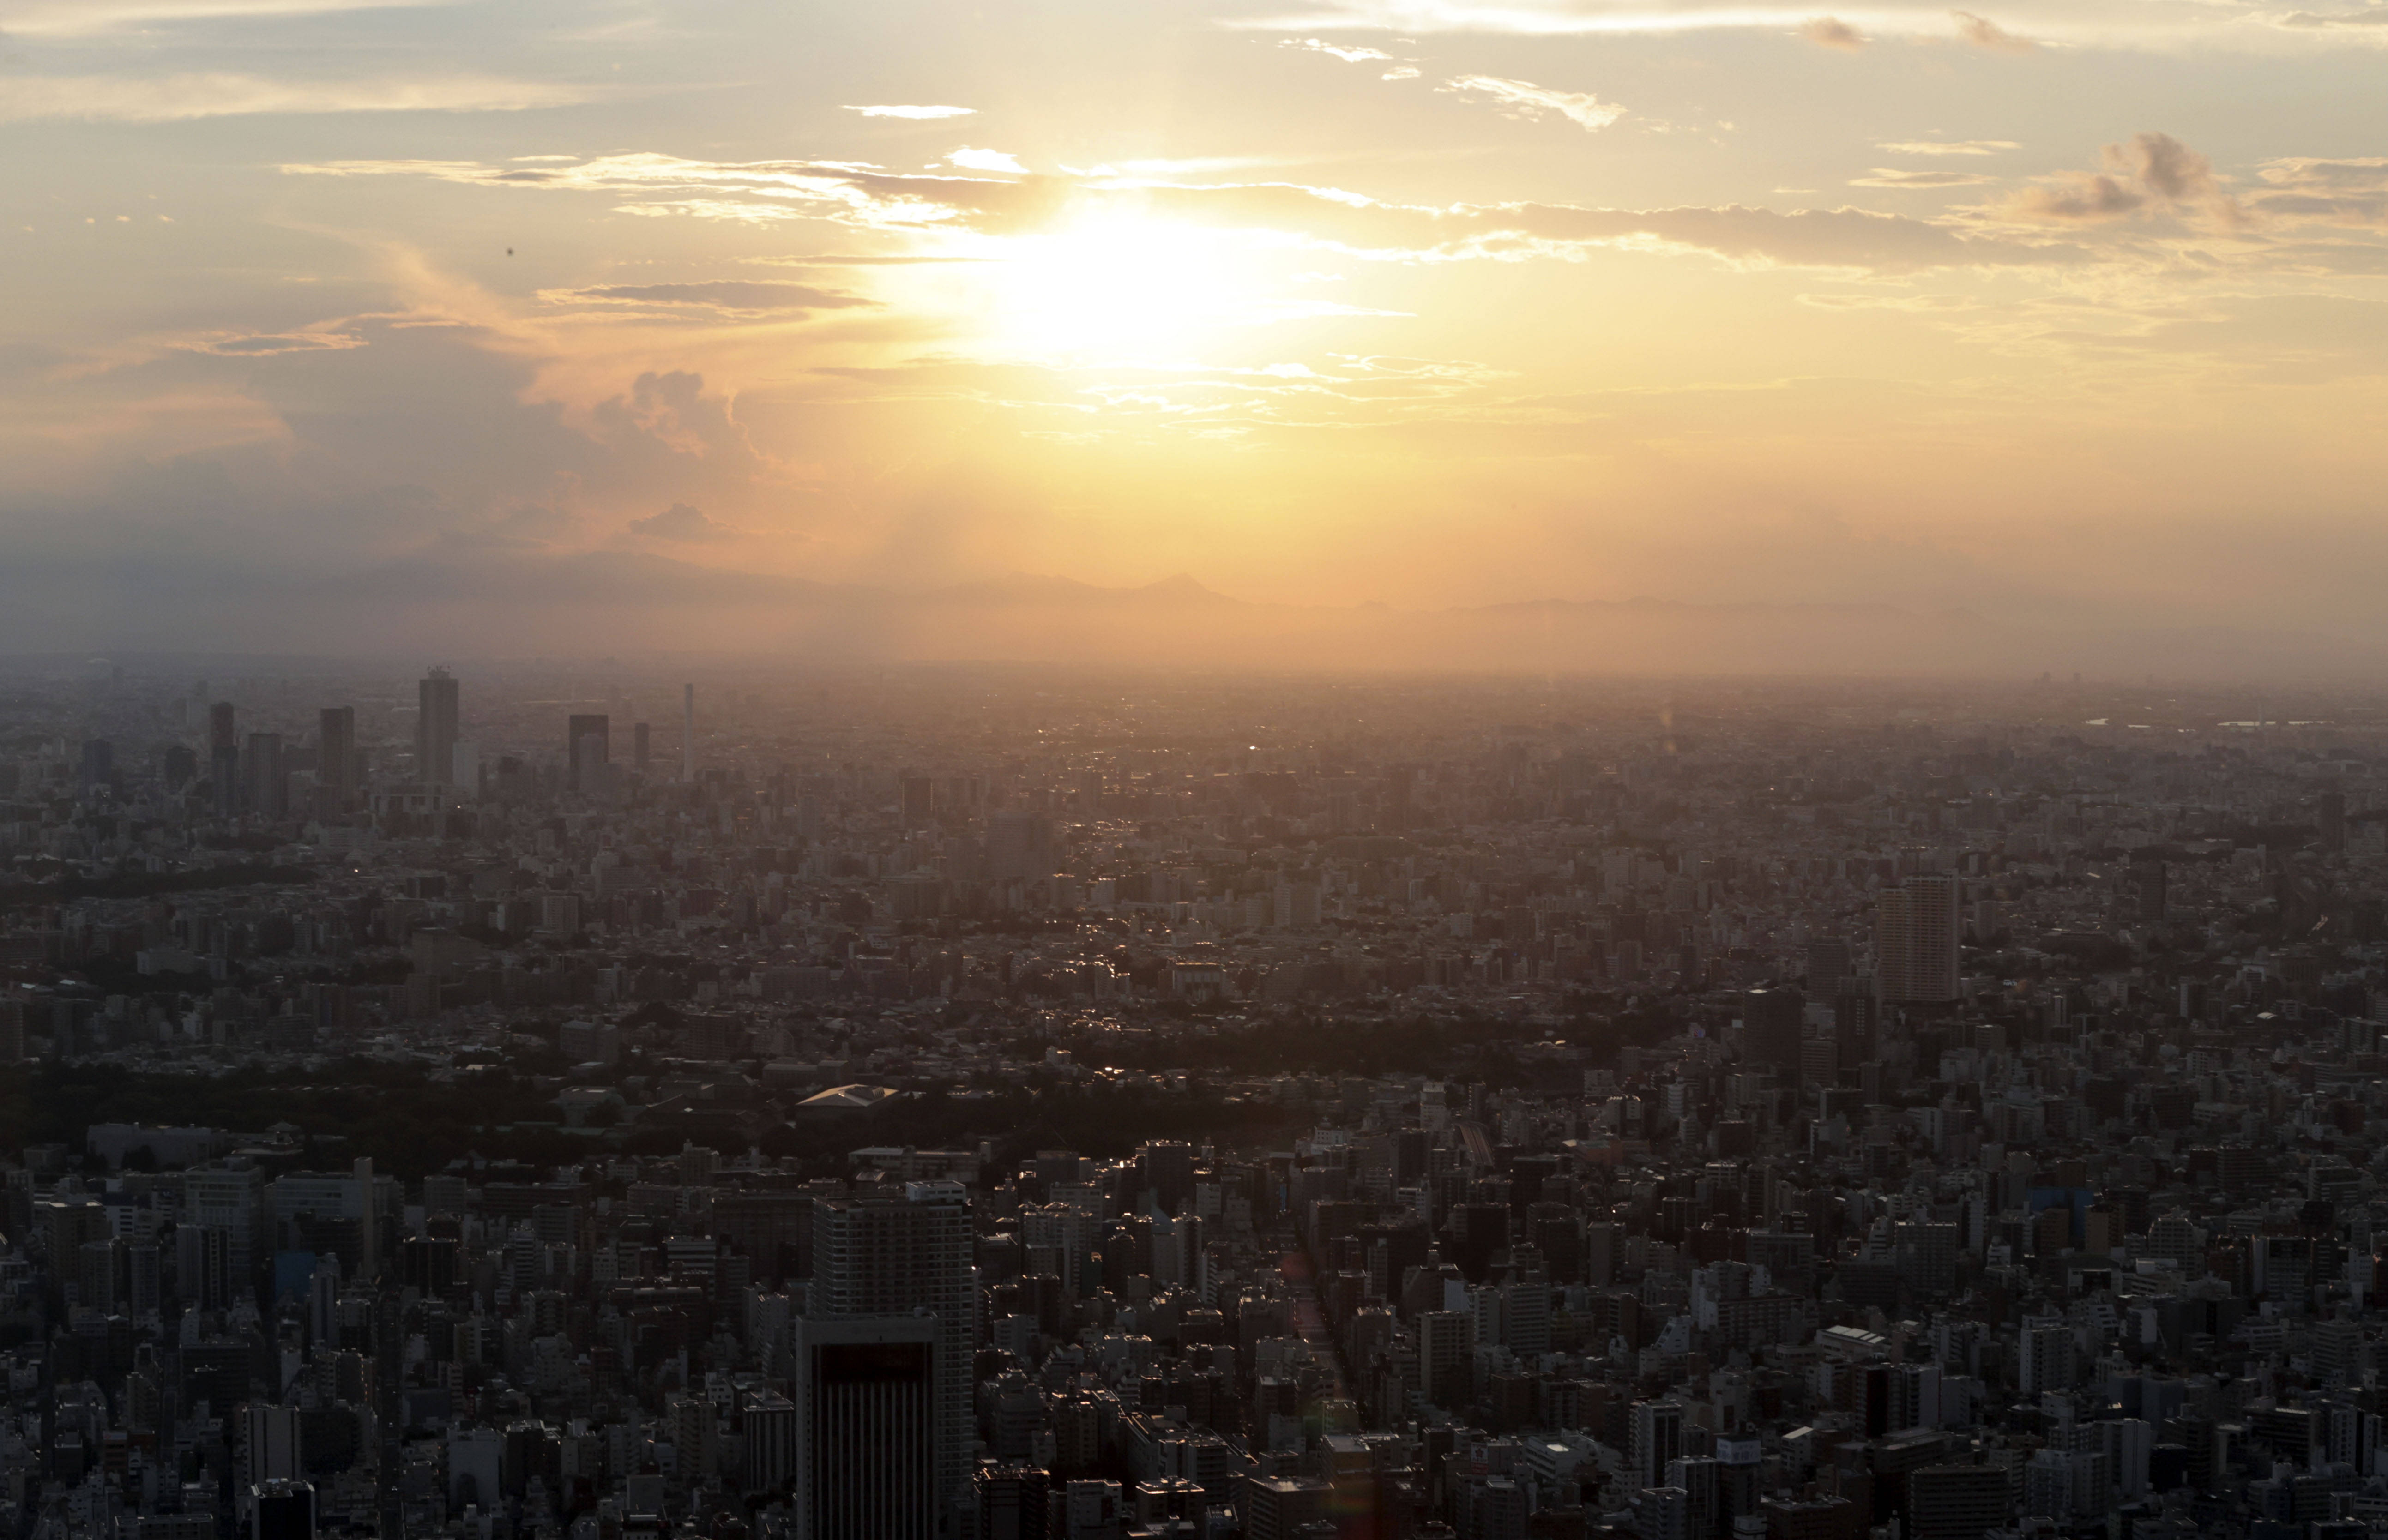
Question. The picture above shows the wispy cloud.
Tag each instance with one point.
(74, 18)
(177, 98)
(752, 296)
(1325, 216)
(970, 160)
(1830, 32)
(887, 111)
(1982, 32)
(1349, 54)
(681, 524)
(1949, 147)
(1525, 100)
(1884, 177)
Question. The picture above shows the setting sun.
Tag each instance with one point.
(1114, 283)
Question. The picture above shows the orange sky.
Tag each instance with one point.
(2068, 314)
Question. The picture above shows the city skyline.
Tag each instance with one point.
(516, 329)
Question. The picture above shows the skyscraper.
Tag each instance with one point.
(1769, 1031)
(879, 1258)
(266, 790)
(224, 759)
(1915, 941)
(639, 745)
(866, 1428)
(435, 728)
(589, 742)
(335, 758)
(688, 732)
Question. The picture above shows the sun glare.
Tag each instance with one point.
(1115, 285)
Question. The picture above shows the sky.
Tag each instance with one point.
(2064, 312)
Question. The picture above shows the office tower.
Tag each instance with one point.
(1856, 1020)
(1770, 1033)
(1828, 968)
(282, 1510)
(638, 741)
(866, 1419)
(435, 728)
(2147, 889)
(272, 1447)
(1657, 1439)
(688, 732)
(368, 1220)
(1446, 1350)
(770, 1421)
(224, 759)
(589, 742)
(920, 801)
(335, 758)
(876, 1257)
(1019, 845)
(266, 785)
(98, 765)
(1915, 941)
(2329, 818)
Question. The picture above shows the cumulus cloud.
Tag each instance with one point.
(1525, 100)
(1349, 54)
(1886, 177)
(1949, 147)
(1830, 32)
(682, 523)
(751, 297)
(2150, 173)
(177, 98)
(888, 111)
(1982, 32)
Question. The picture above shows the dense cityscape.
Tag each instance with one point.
(527, 1102)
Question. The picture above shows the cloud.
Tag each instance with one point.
(1348, 54)
(970, 160)
(2149, 172)
(1400, 73)
(74, 18)
(1884, 177)
(260, 344)
(1949, 147)
(2336, 191)
(1327, 217)
(1830, 32)
(681, 522)
(178, 98)
(752, 296)
(914, 111)
(1523, 98)
(2323, 20)
(1983, 33)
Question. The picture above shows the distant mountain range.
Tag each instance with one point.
(516, 602)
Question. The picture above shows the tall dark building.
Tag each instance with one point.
(435, 728)
(1857, 1021)
(335, 758)
(1956, 1502)
(588, 740)
(875, 1257)
(639, 747)
(98, 767)
(2329, 818)
(1828, 968)
(1915, 941)
(266, 785)
(282, 1509)
(866, 1428)
(224, 759)
(1770, 1029)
